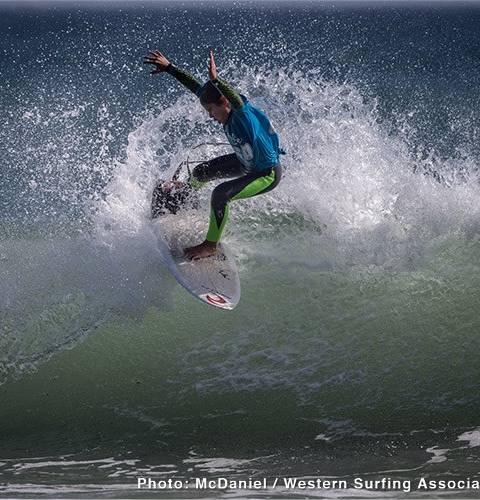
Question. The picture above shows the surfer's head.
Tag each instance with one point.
(214, 102)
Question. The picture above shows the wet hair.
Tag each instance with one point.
(209, 94)
(171, 201)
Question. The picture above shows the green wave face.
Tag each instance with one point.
(385, 351)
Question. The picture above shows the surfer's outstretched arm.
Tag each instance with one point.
(232, 96)
(162, 64)
(184, 78)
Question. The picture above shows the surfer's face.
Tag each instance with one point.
(219, 112)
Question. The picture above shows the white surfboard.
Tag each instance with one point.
(213, 280)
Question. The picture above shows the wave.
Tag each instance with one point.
(359, 277)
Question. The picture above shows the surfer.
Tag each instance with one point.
(254, 165)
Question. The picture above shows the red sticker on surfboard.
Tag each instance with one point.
(216, 300)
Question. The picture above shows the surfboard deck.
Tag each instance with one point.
(213, 280)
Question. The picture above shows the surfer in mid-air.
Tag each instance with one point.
(255, 163)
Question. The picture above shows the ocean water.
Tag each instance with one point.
(354, 350)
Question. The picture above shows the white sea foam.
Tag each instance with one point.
(472, 437)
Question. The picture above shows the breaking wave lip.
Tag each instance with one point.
(348, 176)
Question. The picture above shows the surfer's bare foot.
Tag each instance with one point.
(201, 251)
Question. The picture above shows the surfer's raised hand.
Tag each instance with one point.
(212, 67)
(160, 62)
